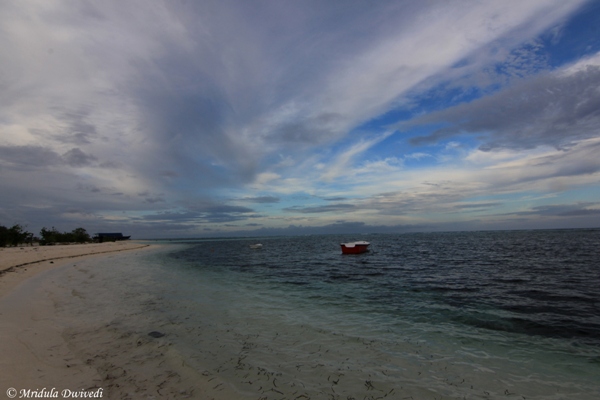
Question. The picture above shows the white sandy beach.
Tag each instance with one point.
(20, 263)
(43, 353)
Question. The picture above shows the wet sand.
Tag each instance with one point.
(46, 354)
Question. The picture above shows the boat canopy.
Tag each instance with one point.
(353, 244)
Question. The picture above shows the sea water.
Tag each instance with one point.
(476, 315)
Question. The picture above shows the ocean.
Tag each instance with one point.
(457, 315)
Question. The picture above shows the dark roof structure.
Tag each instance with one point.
(101, 237)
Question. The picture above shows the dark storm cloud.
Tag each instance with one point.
(554, 109)
(28, 157)
(154, 199)
(88, 188)
(77, 130)
(77, 158)
(192, 128)
(32, 157)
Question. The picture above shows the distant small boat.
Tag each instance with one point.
(256, 246)
(355, 247)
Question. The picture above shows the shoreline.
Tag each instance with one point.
(132, 324)
(36, 353)
(48, 351)
(18, 264)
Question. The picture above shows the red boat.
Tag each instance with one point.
(355, 247)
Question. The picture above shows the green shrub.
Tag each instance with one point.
(14, 235)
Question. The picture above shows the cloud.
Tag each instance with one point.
(77, 158)
(455, 186)
(201, 214)
(32, 157)
(587, 209)
(73, 128)
(260, 199)
(340, 165)
(340, 227)
(478, 206)
(152, 198)
(28, 157)
(553, 109)
(154, 112)
(336, 208)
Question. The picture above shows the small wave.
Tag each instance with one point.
(297, 283)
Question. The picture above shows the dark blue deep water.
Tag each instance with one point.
(537, 283)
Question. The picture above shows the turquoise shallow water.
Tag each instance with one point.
(439, 316)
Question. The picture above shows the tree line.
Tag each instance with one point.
(17, 235)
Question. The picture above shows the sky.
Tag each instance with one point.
(164, 119)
